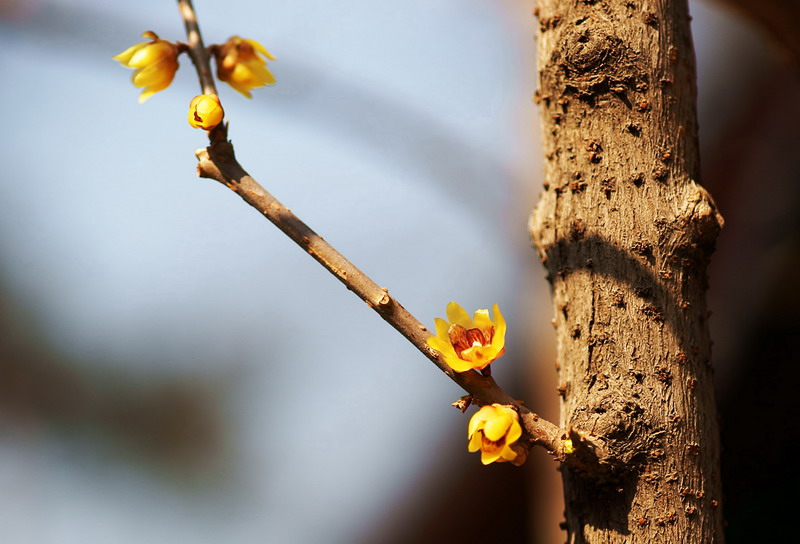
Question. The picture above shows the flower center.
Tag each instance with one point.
(463, 340)
(490, 446)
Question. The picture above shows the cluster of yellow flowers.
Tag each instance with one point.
(241, 63)
(464, 343)
(473, 344)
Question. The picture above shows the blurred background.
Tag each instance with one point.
(173, 369)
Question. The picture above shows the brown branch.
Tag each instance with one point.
(218, 162)
(197, 51)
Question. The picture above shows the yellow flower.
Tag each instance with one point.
(493, 429)
(155, 61)
(205, 111)
(466, 344)
(239, 64)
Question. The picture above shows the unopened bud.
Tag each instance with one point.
(205, 111)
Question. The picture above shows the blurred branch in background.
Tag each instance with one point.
(173, 425)
(753, 169)
(780, 18)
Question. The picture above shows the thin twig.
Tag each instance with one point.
(197, 51)
(218, 162)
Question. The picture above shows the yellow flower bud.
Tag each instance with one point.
(155, 62)
(467, 344)
(493, 430)
(241, 67)
(205, 111)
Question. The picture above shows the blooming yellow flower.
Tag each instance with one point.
(205, 111)
(239, 64)
(155, 61)
(466, 344)
(493, 429)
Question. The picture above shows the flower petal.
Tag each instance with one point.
(475, 442)
(477, 420)
(497, 426)
(488, 457)
(457, 314)
(499, 326)
(440, 345)
(477, 357)
(126, 55)
(442, 329)
(147, 93)
(482, 320)
(154, 75)
(457, 363)
(508, 454)
(514, 432)
(263, 75)
(151, 53)
(240, 88)
(260, 48)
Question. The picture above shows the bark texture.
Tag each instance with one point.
(625, 233)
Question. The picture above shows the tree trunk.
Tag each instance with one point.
(625, 233)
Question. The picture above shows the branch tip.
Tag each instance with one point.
(463, 403)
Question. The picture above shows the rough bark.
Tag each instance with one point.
(625, 233)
